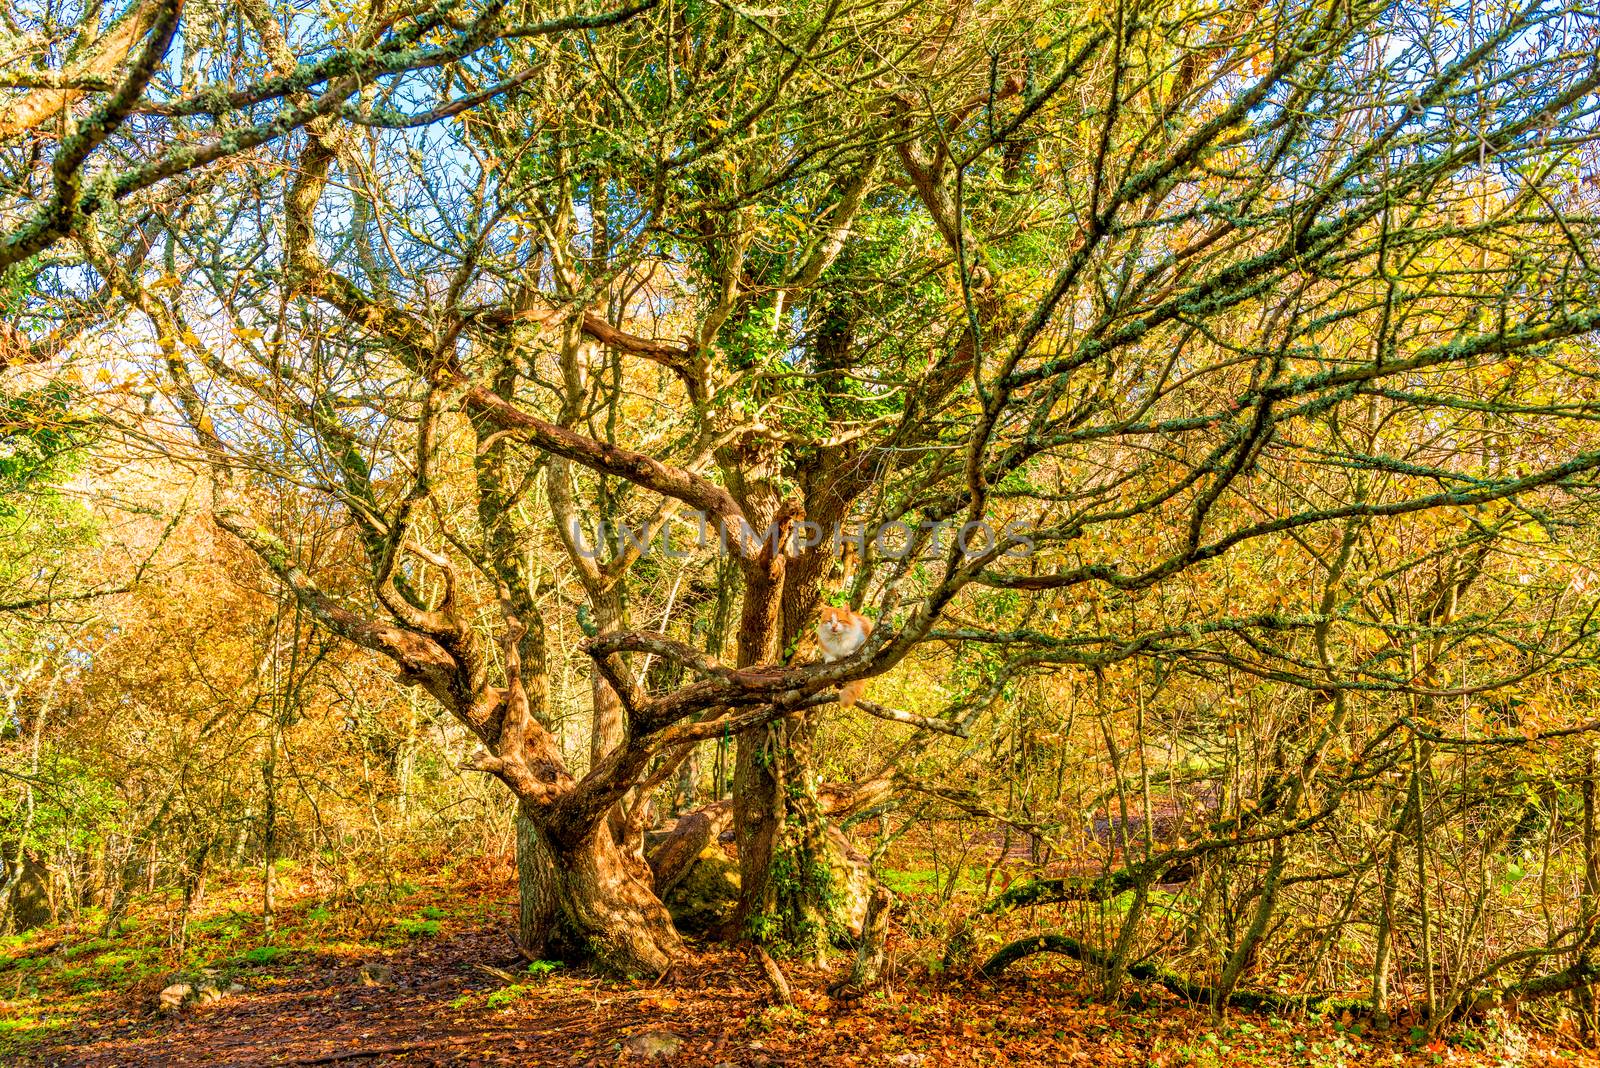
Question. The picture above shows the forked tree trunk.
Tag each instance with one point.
(583, 903)
(794, 881)
(604, 912)
(871, 949)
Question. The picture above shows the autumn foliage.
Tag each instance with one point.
(437, 432)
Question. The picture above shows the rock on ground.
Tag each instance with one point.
(173, 997)
(375, 975)
(653, 1045)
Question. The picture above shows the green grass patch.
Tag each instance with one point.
(414, 927)
(507, 996)
(264, 955)
(121, 958)
(231, 924)
(19, 1033)
(51, 994)
(92, 947)
(81, 980)
(929, 881)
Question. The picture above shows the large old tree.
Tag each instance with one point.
(1154, 284)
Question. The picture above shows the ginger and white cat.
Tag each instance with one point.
(841, 632)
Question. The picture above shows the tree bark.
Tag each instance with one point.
(774, 976)
(583, 901)
(605, 912)
(787, 886)
(793, 895)
(537, 900)
(1245, 951)
(871, 952)
(1583, 962)
(787, 891)
(104, 59)
(1383, 948)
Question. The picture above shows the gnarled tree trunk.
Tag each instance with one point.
(606, 912)
(582, 901)
(787, 894)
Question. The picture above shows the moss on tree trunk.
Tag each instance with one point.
(795, 892)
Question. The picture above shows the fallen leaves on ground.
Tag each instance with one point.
(444, 1007)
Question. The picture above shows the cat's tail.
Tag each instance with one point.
(851, 692)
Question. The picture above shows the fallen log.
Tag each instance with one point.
(671, 858)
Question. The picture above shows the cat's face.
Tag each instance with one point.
(836, 620)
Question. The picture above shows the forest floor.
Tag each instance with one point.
(71, 997)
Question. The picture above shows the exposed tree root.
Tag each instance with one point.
(779, 986)
(1053, 892)
(1567, 979)
(1250, 1000)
